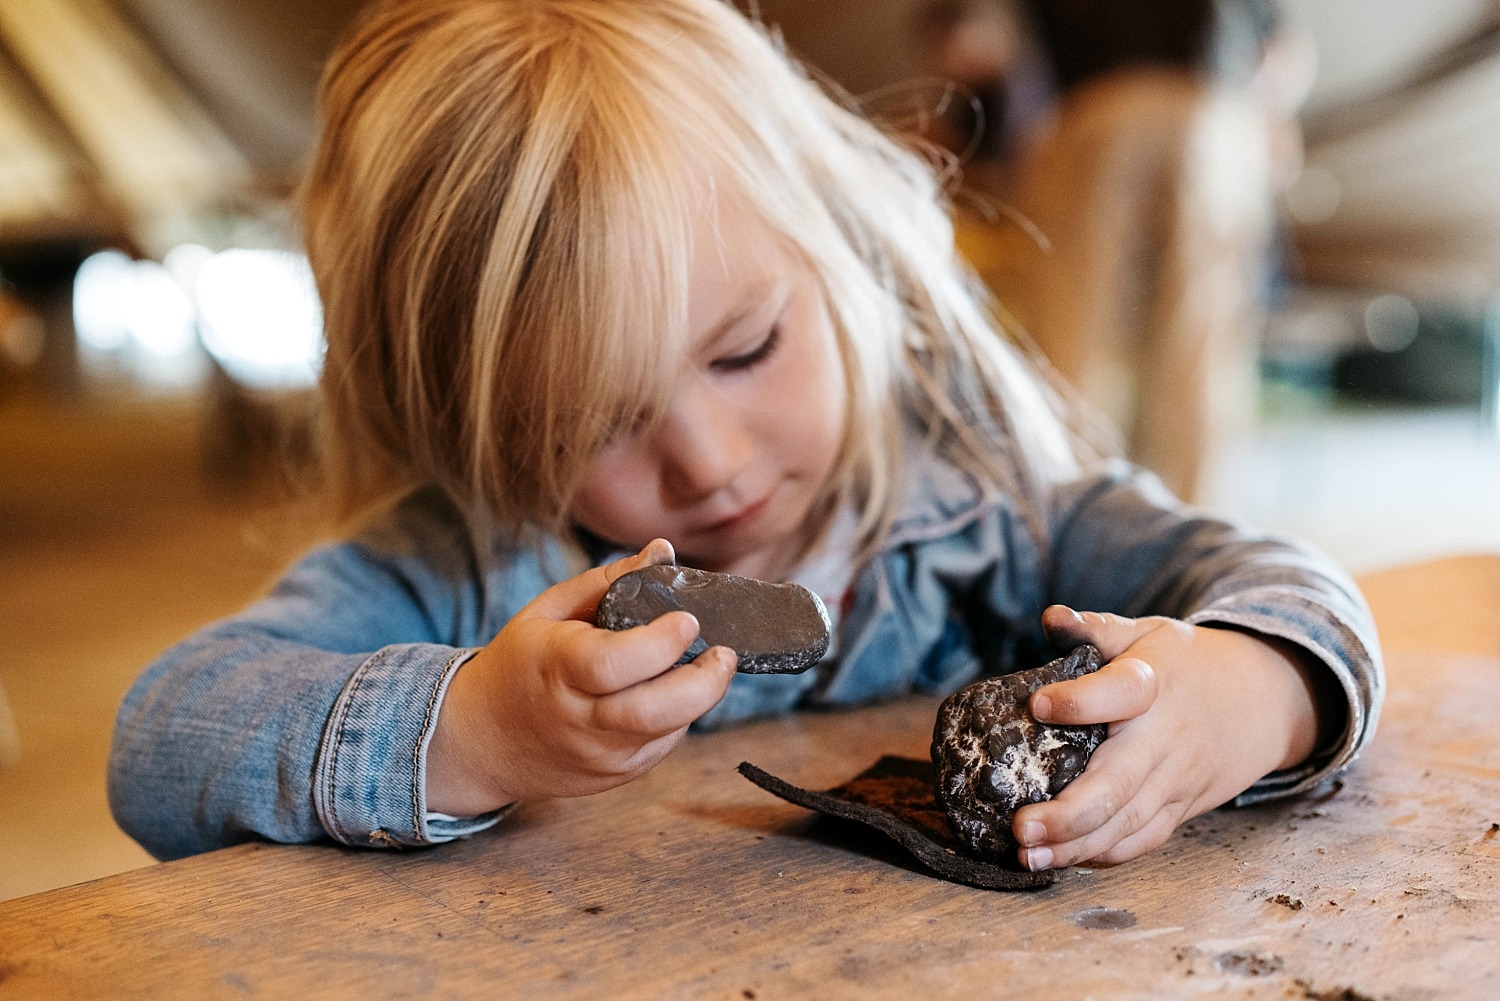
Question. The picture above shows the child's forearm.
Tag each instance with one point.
(238, 733)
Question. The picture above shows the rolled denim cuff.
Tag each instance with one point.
(371, 783)
(1335, 641)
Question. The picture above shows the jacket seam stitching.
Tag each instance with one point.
(416, 751)
(338, 738)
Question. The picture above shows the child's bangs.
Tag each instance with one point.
(610, 302)
(771, 142)
(671, 129)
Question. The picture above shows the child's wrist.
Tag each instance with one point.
(1308, 692)
(455, 783)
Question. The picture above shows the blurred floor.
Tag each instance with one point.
(111, 548)
(1371, 487)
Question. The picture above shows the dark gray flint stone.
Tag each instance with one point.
(773, 628)
(993, 757)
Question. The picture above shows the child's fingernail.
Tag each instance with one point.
(1032, 832)
(1041, 706)
(1038, 859)
(728, 658)
(659, 550)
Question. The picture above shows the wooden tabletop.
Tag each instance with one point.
(692, 883)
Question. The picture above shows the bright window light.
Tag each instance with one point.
(134, 317)
(255, 311)
(186, 262)
(261, 318)
(100, 289)
(157, 314)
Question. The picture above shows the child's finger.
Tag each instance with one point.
(1112, 634)
(651, 752)
(1122, 689)
(601, 662)
(578, 597)
(1148, 838)
(671, 702)
(1097, 810)
(1134, 825)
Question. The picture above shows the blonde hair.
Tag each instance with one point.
(498, 218)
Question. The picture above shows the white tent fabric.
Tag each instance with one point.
(1368, 46)
(154, 150)
(127, 104)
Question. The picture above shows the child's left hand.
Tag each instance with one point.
(1196, 715)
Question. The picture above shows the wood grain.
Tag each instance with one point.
(692, 883)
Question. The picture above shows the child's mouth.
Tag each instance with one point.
(745, 516)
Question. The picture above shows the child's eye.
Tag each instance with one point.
(751, 358)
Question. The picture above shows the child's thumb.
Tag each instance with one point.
(578, 597)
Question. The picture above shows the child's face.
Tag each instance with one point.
(754, 424)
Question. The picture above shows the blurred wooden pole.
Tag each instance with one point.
(10, 741)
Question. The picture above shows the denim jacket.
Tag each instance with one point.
(309, 714)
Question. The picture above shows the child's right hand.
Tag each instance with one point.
(554, 706)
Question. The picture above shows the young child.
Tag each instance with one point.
(599, 274)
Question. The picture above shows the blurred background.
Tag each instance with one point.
(1262, 238)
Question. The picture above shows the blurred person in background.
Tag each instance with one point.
(1141, 145)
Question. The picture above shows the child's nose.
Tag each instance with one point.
(704, 446)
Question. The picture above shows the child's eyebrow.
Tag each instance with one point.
(748, 304)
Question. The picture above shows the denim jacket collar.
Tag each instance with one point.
(939, 498)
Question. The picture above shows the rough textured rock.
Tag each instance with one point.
(993, 757)
(774, 628)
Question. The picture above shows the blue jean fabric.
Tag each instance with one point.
(308, 715)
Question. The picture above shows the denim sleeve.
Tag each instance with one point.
(309, 714)
(1121, 543)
